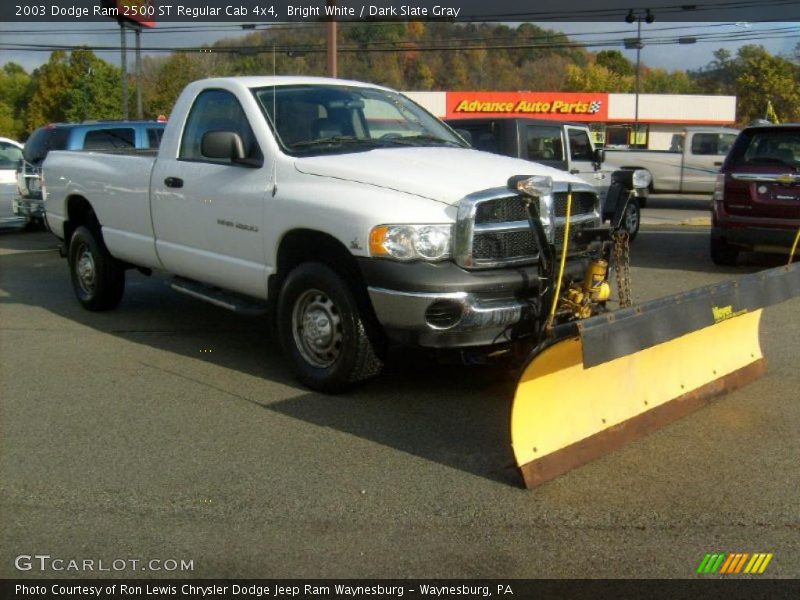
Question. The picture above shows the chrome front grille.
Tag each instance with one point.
(493, 230)
(502, 210)
(582, 203)
(504, 245)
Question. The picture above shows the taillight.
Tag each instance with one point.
(719, 188)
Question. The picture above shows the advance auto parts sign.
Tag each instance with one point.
(571, 106)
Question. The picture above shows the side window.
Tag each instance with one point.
(704, 144)
(544, 143)
(216, 110)
(676, 145)
(10, 156)
(725, 143)
(580, 148)
(154, 137)
(109, 139)
(483, 138)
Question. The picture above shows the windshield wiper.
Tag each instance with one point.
(335, 140)
(418, 140)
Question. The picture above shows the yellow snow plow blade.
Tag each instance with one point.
(610, 379)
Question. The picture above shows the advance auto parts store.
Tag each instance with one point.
(610, 117)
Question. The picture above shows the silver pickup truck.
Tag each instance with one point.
(689, 166)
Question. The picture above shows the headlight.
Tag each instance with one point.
(411, 242)
(641, 178)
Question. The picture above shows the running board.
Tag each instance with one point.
(232, 301)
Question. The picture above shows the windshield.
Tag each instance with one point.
(779, 147)
(322, 119)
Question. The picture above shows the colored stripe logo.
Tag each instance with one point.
(734, 563)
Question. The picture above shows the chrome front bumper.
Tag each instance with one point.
(479, 322)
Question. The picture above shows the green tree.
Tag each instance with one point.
(96, 89)
(51, 85)
(15, 91)
(74, 87)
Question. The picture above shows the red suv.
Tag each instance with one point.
(757, 195)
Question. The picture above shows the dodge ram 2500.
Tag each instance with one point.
(344, 211)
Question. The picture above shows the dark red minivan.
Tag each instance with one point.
(757, 195)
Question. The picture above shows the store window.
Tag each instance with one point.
(624, 136)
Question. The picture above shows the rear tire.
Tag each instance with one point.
(97, 278)
(722, 253)
(322, 330)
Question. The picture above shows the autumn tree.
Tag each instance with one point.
(164, 79)
(614, 61)
(765, 78)
(755, 77)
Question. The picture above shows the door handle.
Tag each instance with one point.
(173, 182)
(718, 164)
(574, 171)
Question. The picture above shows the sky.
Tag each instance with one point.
(660, 50)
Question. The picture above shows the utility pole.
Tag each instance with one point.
(631, 17)
(139, 111)
(124, 64)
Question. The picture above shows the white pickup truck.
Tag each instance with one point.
(689, 166)
(344, 211)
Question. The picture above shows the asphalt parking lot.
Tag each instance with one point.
(171, 429)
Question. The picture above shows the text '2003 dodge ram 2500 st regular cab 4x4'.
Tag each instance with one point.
(344, 210)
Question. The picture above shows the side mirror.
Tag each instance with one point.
(599, 156)
(222, 145)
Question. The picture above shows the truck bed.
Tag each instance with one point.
(122, 180)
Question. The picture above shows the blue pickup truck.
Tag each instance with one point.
(97, 135)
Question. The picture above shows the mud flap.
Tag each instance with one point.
(605, 381)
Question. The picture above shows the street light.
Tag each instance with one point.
(634, 17)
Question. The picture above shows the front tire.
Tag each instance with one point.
(322, 330)
(632, 218)
(97, 277)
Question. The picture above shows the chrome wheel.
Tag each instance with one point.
(632, 218)
(85, 270)
(317, 328)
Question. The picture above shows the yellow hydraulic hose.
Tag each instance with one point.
(794, 246)
(563, 261)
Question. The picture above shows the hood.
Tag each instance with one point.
(441, 174)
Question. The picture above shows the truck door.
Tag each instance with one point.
(581, 153)
(581, 160)
(702, 159)
(208, 213)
